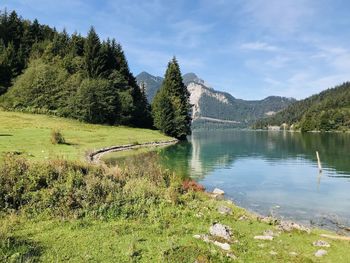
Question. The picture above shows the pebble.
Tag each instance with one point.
(264, 237)
(223, 246)
(243, 217)
(218, 191)
(270, 233)
(224, 210)
(321, 243)
(273, 253)
(289, 226)
(320, 253)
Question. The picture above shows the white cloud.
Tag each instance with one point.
(258, 46)
(278, 16)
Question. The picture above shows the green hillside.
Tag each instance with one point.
(326, 111)
(29, 135)
(46, 71)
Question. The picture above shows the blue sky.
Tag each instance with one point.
(249, 48)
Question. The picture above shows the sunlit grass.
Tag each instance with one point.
(29, 134)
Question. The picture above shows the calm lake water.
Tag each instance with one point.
(271, 172)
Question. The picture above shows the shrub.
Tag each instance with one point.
(57, 137)
(191, 185)
(73, 190)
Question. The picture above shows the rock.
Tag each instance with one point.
(223, 246)
(224, 210)
(205, 238)
(320, 253)
(292, 253)
(264, 237)
(321, 243)
(220, 230)
(243, 217)
(268, 220)
(288, 226)
(218, 191)
(270, 233)
(273, 253)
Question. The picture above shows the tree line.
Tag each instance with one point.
(326, 111)
(46, 71)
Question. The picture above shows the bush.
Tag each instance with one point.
(73, 190)
(57, 137)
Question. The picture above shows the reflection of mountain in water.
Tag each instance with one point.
(207, 150)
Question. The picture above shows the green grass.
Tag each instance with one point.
(166, 235)
(30, 135)
(75, 212)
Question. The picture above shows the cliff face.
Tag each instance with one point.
(212, 106)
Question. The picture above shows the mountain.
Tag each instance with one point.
(328, 110)
(152, 84)
(216, 108)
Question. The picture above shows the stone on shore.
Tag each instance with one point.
(223, 246)
(288, 226)
(320, 253)
(220, 230)
(224, 210)
(321, 243)
(263, 237)
(218, 191)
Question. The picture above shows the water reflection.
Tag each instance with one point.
(262, 170)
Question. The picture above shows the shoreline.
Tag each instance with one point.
(95, 156)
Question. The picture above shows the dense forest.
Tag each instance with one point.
(46, 71)
(326, 111)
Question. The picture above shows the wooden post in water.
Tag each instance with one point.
(319, 162)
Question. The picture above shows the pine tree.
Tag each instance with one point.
(171, 107)
(92, 54)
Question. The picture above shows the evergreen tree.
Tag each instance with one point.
(92, 54)
(171, 107)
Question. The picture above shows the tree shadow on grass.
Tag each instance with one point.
(15, 249)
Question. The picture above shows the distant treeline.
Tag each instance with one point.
(326, 111)
(46, 71)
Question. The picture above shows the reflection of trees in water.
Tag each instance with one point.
(176, 158)
(206, 150)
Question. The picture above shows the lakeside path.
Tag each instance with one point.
(95, 156)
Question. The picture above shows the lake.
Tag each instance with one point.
(271, 172)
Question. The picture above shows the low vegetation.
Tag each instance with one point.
(137, 212)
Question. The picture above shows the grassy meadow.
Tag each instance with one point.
(54, 207)
(29, 135)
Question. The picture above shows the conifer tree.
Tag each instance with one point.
(92, 56)
(171, 107)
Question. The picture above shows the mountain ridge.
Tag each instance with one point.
(214, 106)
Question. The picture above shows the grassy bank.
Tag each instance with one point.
(30, 134)
(69, 211)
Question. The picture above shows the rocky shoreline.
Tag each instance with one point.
(95, 156)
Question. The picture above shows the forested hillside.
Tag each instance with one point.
(328, 110)
(46, 71)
